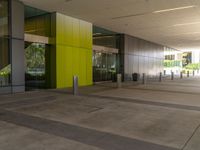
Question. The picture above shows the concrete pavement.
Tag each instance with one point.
(157, 116)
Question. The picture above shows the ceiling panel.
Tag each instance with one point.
(176, 25)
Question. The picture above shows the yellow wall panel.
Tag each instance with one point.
(68, 30)
(73, 51)
(76, 33)
(75, 64)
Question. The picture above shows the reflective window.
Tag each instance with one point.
(104, 66)
(35, 66)
(37, 23)
(5, 67)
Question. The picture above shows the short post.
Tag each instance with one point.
(75, 85)
(164, 72)
(160, 77)
(181, 75)
(193, 73)
(188, 74)
(172, 75)
(143, 78)
(119, 80)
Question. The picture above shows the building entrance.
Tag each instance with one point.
(104, 63)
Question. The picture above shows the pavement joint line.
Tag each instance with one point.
(162, 84)
(142, 101)
(28, 103)
(145, 102)
(95, 110)
(158, 90)
(100, 139)
(190, 138)
(25, 98)
(132, 86)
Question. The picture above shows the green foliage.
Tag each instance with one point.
(5, 71)
(172, 63)
(35, 56)
(193, 66)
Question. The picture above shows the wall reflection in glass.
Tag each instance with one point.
(5, 67)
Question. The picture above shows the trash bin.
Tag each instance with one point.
(135, 76)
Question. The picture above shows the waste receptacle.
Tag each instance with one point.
(135, 76)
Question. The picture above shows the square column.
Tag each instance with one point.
(17, 46)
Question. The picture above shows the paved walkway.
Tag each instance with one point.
(155, 116)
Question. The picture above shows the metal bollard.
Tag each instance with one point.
(193, 73)
(143, 78)
(164, 72)
(172, 75)
(181, 75)
(119, 80)
(188, 74)
(160, 77)
(75, 85)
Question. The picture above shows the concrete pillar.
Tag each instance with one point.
(17, 46)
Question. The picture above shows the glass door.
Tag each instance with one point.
(104, 66)
(111, 66)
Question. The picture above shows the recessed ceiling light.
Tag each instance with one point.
(185, 24)
(174, 9)
(192, 33)
(97, 33)
(188, 33)
(154, 12)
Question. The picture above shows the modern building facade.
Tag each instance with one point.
(40, 49)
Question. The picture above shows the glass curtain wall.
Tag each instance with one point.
(5, 67)
(105, 64)
(35, 66)
(37, 23)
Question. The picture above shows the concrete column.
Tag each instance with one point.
(17, 46)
